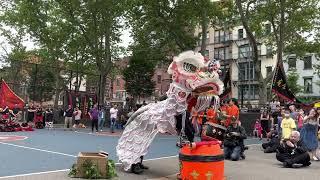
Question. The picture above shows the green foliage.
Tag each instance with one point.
(138, 76)
(111, 167)
(78, 32)
(300, 18)
(41, 84)
(73, 171)
(91, 171)
(292, 80)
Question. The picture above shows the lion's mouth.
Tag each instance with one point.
(206, 89)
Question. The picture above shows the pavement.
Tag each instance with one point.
(47, 155)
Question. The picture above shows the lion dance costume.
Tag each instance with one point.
(192, 75)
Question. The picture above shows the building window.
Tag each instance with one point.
(268, 29)
(159, 79)
(244, 51)
(246, 71)
(307, 62)
(240, 33)
(269, 69)
(216, 36)
(248, 92)
(221, 36)
(308, 85)
(118, 95)
(219, 53)
(292, 62)
(269, 51)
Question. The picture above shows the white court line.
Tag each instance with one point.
(63, 170)
(30, 174)
(36, 149)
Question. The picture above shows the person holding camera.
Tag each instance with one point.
(292, 151)
(233, 142)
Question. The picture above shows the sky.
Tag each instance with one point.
(126, 40)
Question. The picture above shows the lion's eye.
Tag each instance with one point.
(189, 67)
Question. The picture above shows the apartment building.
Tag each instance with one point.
(308, 78)
(232, 48)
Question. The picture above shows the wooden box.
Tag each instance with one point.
(98, 158)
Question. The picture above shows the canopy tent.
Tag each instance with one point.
(9, 98)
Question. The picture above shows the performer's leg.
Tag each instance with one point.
(136, 169)
(141, 165)
(303, 159)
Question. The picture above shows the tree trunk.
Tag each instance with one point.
(204, 27)
(56, 97)
(281, 30)
(255, 56)
(102, 86)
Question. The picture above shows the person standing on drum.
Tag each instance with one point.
(232, 111)
(212, 115)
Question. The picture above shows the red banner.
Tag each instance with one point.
(9, 98)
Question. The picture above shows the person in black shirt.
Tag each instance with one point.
(274, 142)
(31, 112)
(15, 112)
(292, 151)
(68, 113)
(275, 115)
(233, 143)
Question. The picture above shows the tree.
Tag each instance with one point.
(289, 20)
(15, 68)
(138, 76)
(41, 84)
(56, 24)
(45, 24)
(169, 26)
(99, 22)
(292, 80)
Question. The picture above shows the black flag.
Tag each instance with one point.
(280, 86)
(227, 85)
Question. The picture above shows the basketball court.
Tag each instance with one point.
(48, 154)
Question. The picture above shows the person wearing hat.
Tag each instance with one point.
(232, 111)
(233, 143)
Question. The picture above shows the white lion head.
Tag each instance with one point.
(191, 71)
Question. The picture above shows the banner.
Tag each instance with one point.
(280, 86)
(83, 100)
(9, 98)
(227, 86)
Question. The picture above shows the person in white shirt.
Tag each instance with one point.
(113, 117)
(77, 117)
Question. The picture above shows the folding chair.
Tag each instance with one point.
(49, 121)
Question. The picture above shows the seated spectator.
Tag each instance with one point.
(257, 129)
(291, 151)
(273, 143)
(233, 143)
